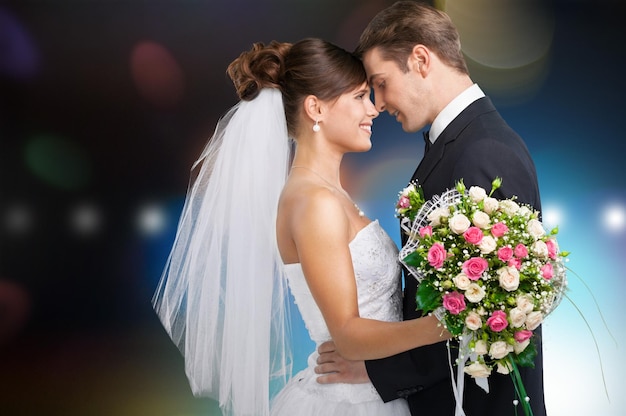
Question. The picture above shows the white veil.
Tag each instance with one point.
(222, 297)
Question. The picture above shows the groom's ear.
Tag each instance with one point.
(419, 59)
(312, 108)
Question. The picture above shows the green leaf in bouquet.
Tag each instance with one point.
(498, 297)
(428, 296)
(526, 284)
(526, 358)
(454, 325)
(413, 259)
(419, 197)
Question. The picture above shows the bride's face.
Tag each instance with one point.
(349, 119)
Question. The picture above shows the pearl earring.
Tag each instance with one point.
(316, 126)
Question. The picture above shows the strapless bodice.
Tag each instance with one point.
(377, 272)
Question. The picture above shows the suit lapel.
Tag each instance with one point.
(449, 135)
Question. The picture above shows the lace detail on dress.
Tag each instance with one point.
(377, 271)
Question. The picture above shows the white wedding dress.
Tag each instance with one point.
(374, 256)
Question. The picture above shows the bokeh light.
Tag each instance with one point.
(18, 219)
(614, 218)
(19, 58)
(86, 219)
(151, 219)
(506, 43)
(58, 162)
(552, 216)
(158, 77)
(15, 305)
(502, 34)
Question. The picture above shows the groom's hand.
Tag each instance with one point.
(335, 369)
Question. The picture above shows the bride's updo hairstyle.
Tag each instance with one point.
(308, 67)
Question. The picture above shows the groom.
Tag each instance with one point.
(415, 66)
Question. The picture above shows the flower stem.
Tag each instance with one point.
(519, 389)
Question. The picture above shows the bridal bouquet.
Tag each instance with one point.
(488, 269)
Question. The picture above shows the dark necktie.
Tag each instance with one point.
(426, 141)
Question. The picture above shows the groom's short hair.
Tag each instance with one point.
(398, 28)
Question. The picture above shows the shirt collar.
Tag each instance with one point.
(453, 109)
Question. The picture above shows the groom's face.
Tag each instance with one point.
(396, 91)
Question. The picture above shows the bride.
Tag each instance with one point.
(252, 228)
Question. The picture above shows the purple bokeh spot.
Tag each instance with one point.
(18, 55)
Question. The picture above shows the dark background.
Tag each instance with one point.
(104, 106)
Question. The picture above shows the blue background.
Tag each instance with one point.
(104, 106)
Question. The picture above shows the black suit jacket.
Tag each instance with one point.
(476, 146)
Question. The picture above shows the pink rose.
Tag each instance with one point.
(551, 248)
(497, 321)
(547, 271)
(521, 251)
(505, 254)
(436, 255)
(404, 202)
(499, 229)
(517, 263)
(454, 302)
(523, 335)
(428, 230)
(473, 235)
(474, 267)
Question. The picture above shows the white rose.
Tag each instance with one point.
(459, 223)
(508, 278)
(475, 293)
(503, 367)
(477, 194)
(490, 205)
(517, 317)
(533, 320)
(524, 211)
(540, 249)
(535, 228)
(498, 349)
(477, 370)
(521, 346)
(461, 281)
(481, 220)
(525, 303)
(435, 217)
(406, 191)
(480, 347)
(487, 244)
(509, 207)
(473, 321)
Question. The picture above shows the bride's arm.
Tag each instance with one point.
(322, 233)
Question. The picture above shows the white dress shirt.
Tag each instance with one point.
(453, 109)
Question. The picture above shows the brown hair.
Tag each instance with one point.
(398, 28)
(308, 67)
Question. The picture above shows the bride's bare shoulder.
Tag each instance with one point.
(301, 197)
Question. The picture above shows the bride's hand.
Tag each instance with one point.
(335, 369)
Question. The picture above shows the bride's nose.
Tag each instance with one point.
(372, 111)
